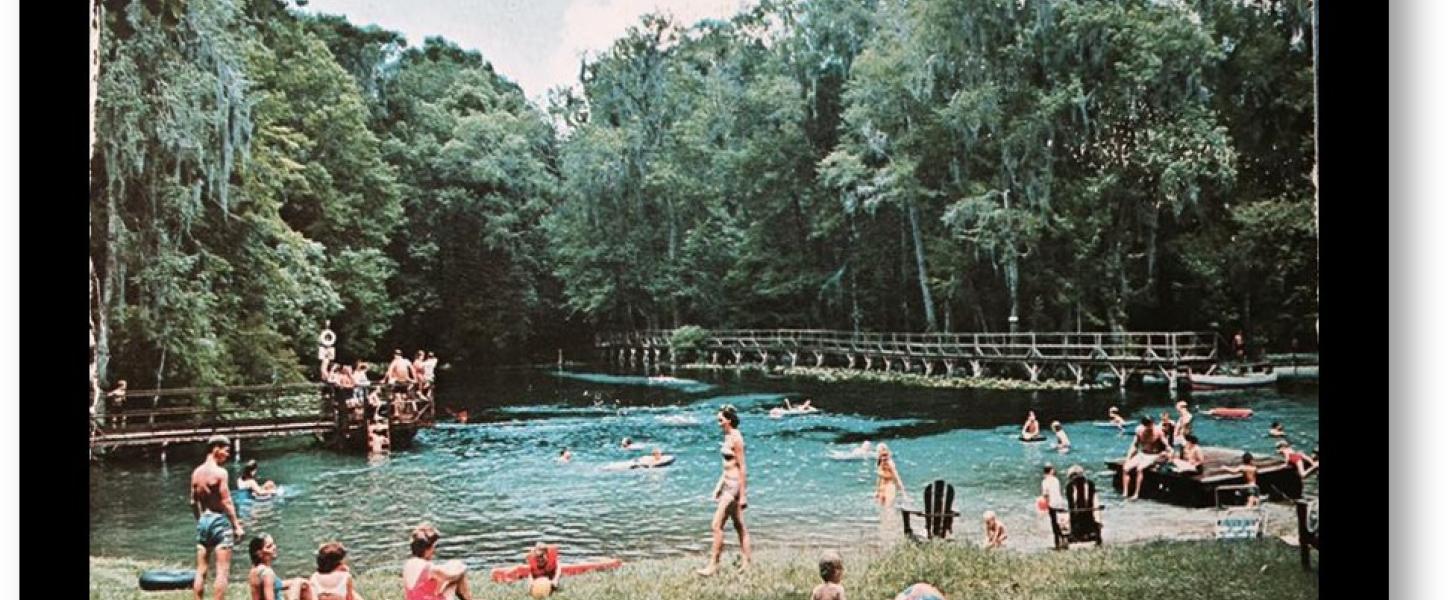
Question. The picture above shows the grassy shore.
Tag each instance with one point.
(1256, 569)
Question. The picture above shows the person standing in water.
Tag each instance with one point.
(1063, 444)
(888, 479)
(217, 526)
(729, 492)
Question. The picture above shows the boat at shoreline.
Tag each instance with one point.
(1227, 381)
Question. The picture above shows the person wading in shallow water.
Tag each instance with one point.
(729, 492)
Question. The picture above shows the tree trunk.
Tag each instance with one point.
(91, 290)
(927, 305)
(1315, 174)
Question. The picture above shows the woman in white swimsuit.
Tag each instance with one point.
(729, 492)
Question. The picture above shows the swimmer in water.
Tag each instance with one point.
(1116, 418)
(248, 481)
(1030, 429)
(565, 456)
(1276, 429)
(1063, 444)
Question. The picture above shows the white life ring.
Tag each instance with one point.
(327, 337)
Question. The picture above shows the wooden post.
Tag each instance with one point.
(820, 359)
(793, 357)
(976, 368)
(951, 366)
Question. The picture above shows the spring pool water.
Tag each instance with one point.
(494, 486)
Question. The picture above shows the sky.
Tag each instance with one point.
(535, 43)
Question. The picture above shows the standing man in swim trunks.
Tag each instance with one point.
(399, 377)
(217, 526)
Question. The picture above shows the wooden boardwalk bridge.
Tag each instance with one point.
(1078, 353)
(250, 412)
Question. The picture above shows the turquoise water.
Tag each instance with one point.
(494, 486)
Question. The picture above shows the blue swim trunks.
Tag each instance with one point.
(214, 530)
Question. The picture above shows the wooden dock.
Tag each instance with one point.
(246, 412)
(1080, 354)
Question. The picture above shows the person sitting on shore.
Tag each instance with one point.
(333, 580)
(248, 481)
(1144, 452)
(424, 579)
(264, 582)
(544, 571)
(1063, 444)
(921, 591)
(1301, 462)
(1276, 429)
(832, 570)
(1030, 429)
(1082, 493)
(996, 535)
(1250, 471)
(1190, 457)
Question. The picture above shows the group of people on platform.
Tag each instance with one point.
(405, 381)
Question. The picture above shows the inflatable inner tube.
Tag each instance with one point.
(1108, 425)
(167, 580)
(1231, 413)
(648, 463)
(1038, 438)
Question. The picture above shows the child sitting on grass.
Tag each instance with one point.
(832, 569)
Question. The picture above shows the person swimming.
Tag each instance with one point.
(1276, 429)
(1063, 444)
(248, 481)
(565, 456)
(1116, 418)
(1030, 429)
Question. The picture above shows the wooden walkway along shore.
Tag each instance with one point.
(1079, 353)
(247, 412)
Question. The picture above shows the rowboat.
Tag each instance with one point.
(1224, 382)
(1275, 477)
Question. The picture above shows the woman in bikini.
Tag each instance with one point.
(264, 582)
(332, 581)
(729, 492)
(425, 580)
(888, 480)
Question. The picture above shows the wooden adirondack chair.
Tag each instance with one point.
(937, 500)
(1081, 511)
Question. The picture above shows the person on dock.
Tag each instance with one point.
(1185, 420)
(1190, 458)
(1144, 452)
(1030, 429)
(116, 404)
(544, 574)
(729, 492)
(333, 580)
(263, 580)
(1239, 346)
(217, 526)
(1169, 431)
(424, 579)
(888, 479)
(1250, 471)
(1063, 444)
(1302, 463)
(399, 376)
(360, 383)
(833, 569)
(996, 534)
(248, 481)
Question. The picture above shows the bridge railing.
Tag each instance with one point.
(1090, 346)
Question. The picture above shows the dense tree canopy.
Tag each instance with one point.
(904, 165)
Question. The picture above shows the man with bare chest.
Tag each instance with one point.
(217, 527)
